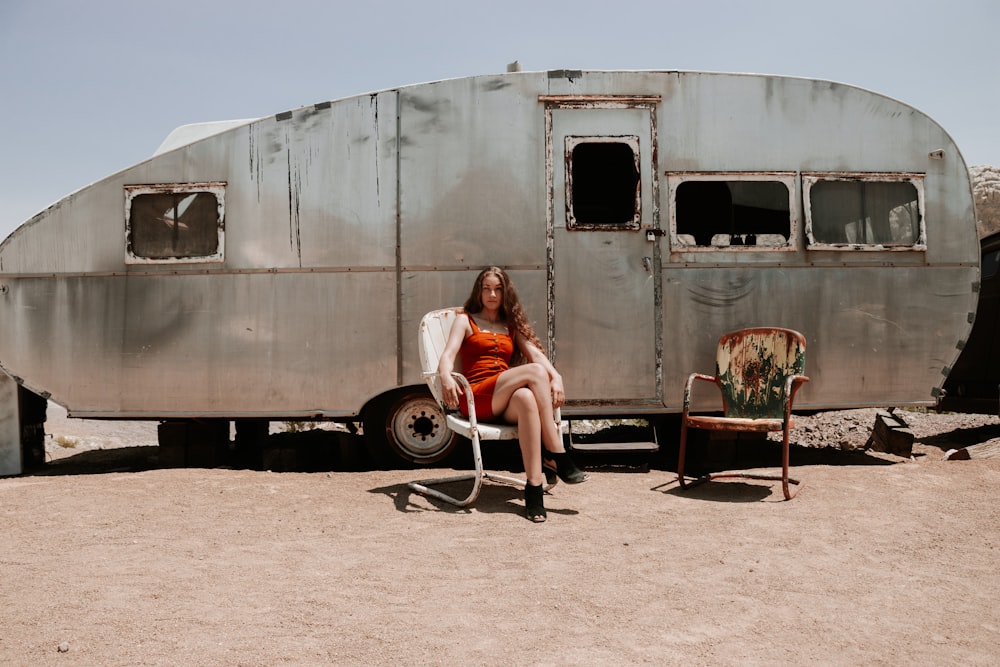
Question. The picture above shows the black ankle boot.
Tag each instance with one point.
(534, 506)
(564, 467)
(551, 478)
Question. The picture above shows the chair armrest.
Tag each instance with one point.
(470, 400)
(434, 382)
(792, 385)
(688, 385)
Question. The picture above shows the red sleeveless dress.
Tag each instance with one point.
(484, 356)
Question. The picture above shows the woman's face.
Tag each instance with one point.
(492, 293)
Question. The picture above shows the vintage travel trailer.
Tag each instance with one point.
(277, 268)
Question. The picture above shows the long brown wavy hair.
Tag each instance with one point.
(510, 308)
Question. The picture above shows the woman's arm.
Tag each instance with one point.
(533, 354)
(450, 391)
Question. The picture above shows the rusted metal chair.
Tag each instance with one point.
(434, 329)
(758, 371)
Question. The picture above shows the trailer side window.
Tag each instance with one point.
(864, 212)
(602, 183)
(174, 223)
(732, 211)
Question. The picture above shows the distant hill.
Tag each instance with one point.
(986, 192)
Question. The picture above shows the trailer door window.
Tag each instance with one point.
(602, 183)
(864, 212)
(732, 211)
(174, 223)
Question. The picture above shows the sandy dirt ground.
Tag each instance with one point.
(109, 558)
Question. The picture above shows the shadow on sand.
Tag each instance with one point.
(962, 437)
(336, 451)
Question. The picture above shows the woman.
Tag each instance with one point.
(493, 329)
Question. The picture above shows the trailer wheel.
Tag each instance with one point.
(410, 427)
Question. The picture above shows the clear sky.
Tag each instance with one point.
(89, 88)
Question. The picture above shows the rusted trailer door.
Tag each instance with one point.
(601, 166)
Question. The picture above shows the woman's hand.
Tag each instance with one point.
(558, 393)
(450, 391)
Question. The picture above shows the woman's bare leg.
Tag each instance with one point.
(523, 411)
(534, 378)
(523, 395)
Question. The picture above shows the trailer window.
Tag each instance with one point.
(731, 211)
(602, 183)
(864, 212)
(174, 223)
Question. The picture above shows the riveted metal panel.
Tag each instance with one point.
(346, 220)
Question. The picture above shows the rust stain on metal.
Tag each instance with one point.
(753, 366)
(600, 101)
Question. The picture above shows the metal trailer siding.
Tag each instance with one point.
(281, 327)
(881, 325)
(347, 220)
(471, 161)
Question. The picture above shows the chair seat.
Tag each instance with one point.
(710, 423)
(492, 431)
(462, 426)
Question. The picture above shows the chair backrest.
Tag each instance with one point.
(751, 366)
(434, 329)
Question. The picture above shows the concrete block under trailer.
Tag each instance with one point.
(276, 269)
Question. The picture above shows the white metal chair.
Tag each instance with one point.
(434, 329)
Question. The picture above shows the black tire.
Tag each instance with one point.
(408, 427)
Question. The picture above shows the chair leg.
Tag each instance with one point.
(422, 486)
(680, 455)
(684, 484)
(785, 479)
